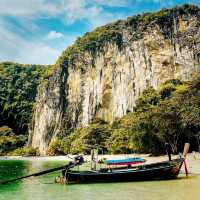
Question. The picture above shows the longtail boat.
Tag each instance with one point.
(160, 170)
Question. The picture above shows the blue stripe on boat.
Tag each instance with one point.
(125, 160)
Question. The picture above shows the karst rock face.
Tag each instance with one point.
(105, 77)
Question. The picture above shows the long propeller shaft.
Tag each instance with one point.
(70, 165)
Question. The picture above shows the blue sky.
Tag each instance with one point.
(37, 31)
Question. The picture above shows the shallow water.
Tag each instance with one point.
(44, 188)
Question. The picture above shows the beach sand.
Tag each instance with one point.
(192, 159)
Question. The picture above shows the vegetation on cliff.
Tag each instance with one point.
(159, 116)
(169, 114)
(17, 94)
(172, 113)
(9, 140)
(94, 42)
(17, 97)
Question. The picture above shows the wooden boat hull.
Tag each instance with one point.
(162, 170)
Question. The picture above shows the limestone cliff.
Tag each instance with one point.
(105, 71)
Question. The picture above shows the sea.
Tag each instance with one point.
(44, 187)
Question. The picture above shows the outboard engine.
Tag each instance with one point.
(78, 160)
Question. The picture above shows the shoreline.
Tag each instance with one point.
(192, 160)
(148, 157)
(86, 157)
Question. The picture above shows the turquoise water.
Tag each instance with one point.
(44, 188)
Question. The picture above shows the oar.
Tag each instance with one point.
(70, 165)
(185, 151)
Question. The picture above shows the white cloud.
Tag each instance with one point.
(114, 3)
(90, 11)
(71, 10)
(156, 1)
(28, 8)
(15, 48)
(39, 54)
(78, 9)
(54, 35)
(39, 49)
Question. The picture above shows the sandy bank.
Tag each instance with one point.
(193, 160)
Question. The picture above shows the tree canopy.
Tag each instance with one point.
(169, 114)
(17, 94)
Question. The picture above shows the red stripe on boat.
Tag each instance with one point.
(126, 163)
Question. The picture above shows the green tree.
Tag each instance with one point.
(17, 94)
(149, 98)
